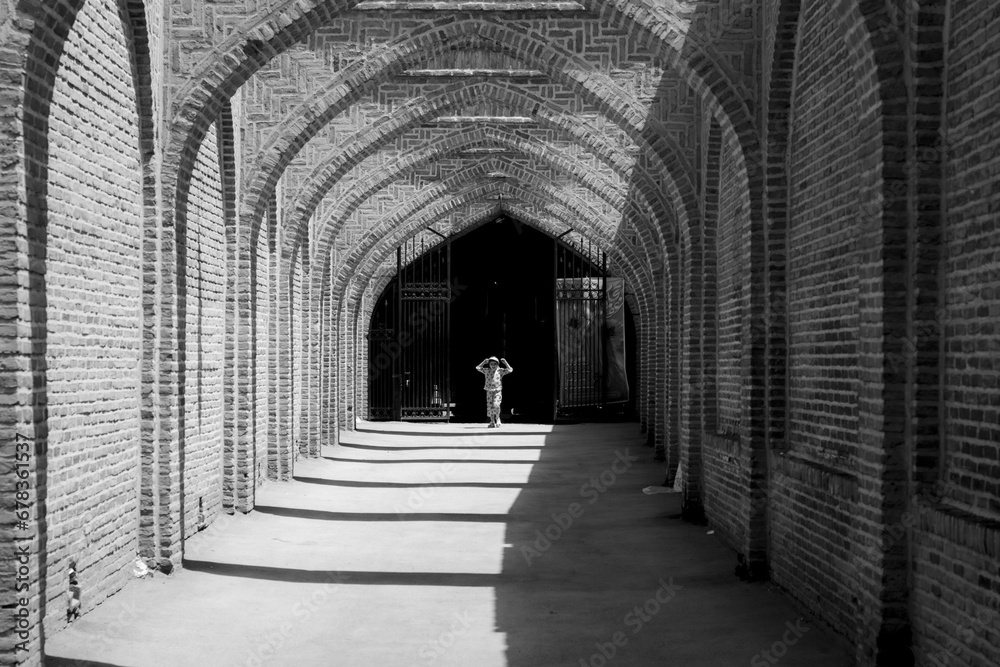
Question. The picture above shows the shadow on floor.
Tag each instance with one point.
(476, 553)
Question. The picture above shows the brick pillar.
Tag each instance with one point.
(883, 626)
(753, 416)
(237, 312)
(323, 379)
(246, 367)
(660, 344)
(336, 380)
(691, 383)
(774, 324)
(708, 273)
(23, 436)
(343, 417)
(311, 366)
(285, 341)
(278, 463)
(643, 366)
(343, 358)
(671, 390)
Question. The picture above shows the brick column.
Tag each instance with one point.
(671, 389)
(692, 371)
(883, 626)
(23, 436)
(774, 324)
(754, 388)
(659, 357)
(278, 463)
(285, 342)
(311, 363)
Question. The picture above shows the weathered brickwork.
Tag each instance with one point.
(823, 282)
(955, 599)
(262, 387)
(93, 325)
(972, 270)
(297, 409)
(812, 542)
(727, 460)
(810, 527)
(204, 333)
(956, 584)
(201, 201)
(732, 295)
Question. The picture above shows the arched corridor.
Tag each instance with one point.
(214, 219)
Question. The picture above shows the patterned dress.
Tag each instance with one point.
(494, 389)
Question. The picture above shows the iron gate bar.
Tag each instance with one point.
(424, 299)
(580, 310)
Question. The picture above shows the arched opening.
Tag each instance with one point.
(500, 280)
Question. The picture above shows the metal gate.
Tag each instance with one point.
(580, 305)
(409, 337)
(383, 394)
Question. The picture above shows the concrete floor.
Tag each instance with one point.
(456, 545)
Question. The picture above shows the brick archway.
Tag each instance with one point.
(349, 314)
(334, 221)
(233, 62)
(663, 154)
(40, 44)
(359, 277)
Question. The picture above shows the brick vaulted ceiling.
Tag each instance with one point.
(367, 123)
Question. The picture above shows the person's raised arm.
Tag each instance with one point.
(482, 363)
(507, 367)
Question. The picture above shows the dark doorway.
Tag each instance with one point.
(491, 290)
(503, 305)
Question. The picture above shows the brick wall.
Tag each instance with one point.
(16, 153)
(204, 339)
(93, 320)
(956, 589)
(822, 272)
(726, 458)
(810, 526)
(733, 261)
(971, 269)
(621, 126)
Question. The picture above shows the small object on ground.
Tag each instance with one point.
(650, 490)
(140, 570)
(711, 532)
(73, 603)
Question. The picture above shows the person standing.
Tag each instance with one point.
(494, 386)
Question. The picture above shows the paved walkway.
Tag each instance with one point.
(456, 545)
